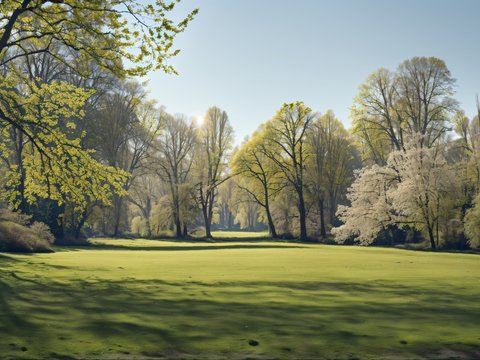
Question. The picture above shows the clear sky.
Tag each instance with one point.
(248, 57)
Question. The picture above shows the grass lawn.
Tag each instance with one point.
(142, 299)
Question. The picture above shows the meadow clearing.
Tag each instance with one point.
(238, 299)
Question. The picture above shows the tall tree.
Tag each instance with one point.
(330, 166)
(261, 174)
(392, 108)
(286, 138)
(173, 161)
(215, 139)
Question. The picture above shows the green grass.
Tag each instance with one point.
(239, 234)
(148, 299)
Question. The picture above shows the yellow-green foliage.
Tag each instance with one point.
(56, 165)
(145, 298)
(106, 31)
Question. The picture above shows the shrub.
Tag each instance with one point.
(16, 217)
(17, 236)
(43, 232)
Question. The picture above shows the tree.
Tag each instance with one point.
(104, 31)
(409, 191)
(469, 133)
(286, 148)
(174, 158)
(377, 120)
(329, 167)
(392, 108)
(261, 175)
(371, 210)
(143, 193)
(75, 174)
(426, 182)
(215, 138)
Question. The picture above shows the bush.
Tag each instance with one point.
(15, 217)
(72, 240)
(17, 236)
(42, 231)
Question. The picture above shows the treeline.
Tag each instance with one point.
(85, 152)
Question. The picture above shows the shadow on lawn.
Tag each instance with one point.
(289, 319)
(208, 246)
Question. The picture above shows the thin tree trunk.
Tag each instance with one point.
(149, 227)
(303, 216)
(208, 233)
(332, 208)
(321, 206)
(431, 237)
(83, 219)
(178, 226)
(271, 225)
(118, 215)
(208, 215)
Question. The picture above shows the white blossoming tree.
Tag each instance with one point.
(408, 191)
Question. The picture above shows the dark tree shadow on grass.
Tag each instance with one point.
(310, 319)
(177, 248)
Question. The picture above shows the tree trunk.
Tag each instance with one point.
(118, 215)
(431, 237)
(303, 216)
(271, 225)
(230, 220)
(149, 227)
(321, 206)
(208, 215)
(81, 222)
(178, 226)
(206, 220)
(185, 231)
(208, 232)
(332, 208)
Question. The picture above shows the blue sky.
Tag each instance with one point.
(249, 57)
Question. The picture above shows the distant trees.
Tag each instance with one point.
(125, 130)
(297, 155)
